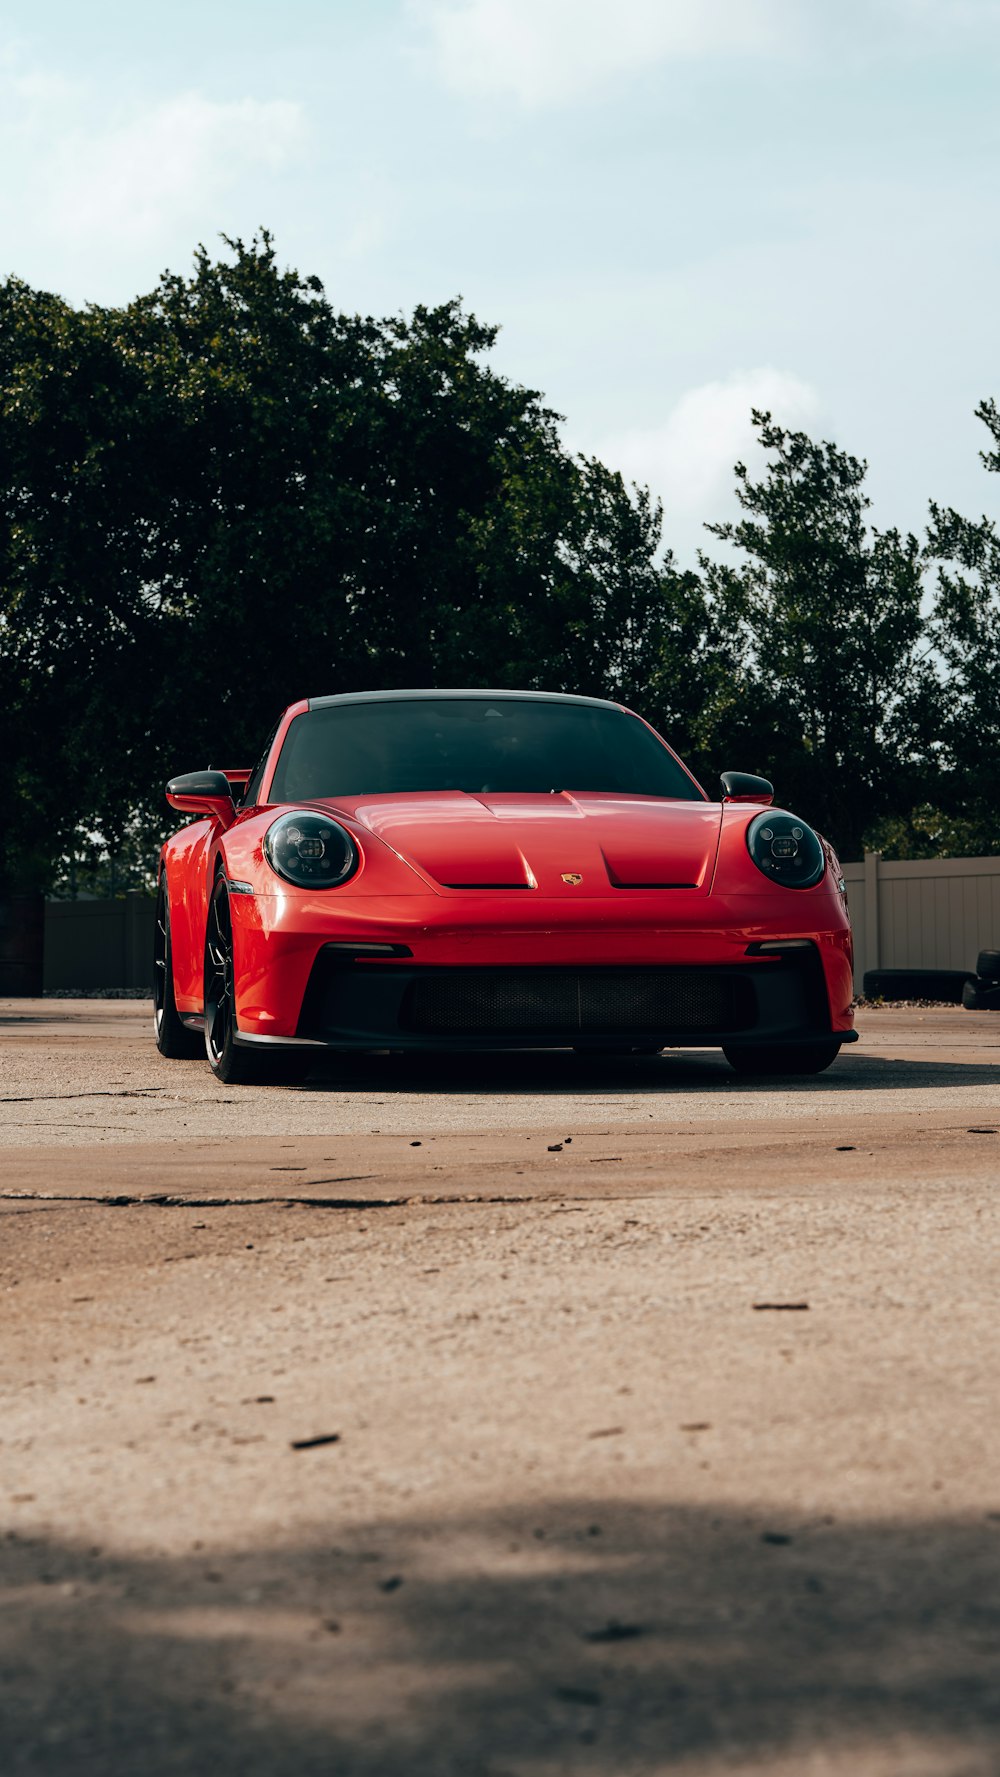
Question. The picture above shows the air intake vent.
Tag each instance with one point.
(567, 1002)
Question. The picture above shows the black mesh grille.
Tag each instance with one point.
(568, 1001)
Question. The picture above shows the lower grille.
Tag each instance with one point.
(568, 1001)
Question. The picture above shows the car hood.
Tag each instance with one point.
(556, 843)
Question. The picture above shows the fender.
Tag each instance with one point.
(186, 860)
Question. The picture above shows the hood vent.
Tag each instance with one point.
(640, 873)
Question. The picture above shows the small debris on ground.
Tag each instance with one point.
(327, 1437)
(780, 1307)
(614, 1631)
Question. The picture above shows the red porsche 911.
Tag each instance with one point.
(460, 870)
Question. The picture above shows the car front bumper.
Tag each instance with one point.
(420, 973)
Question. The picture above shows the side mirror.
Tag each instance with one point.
(203, 792)
(739, 786)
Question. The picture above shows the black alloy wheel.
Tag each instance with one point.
(233, 1065)
(173, 1039)
(774, 1059)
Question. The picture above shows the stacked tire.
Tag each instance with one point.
(947, 986)
(983, 994)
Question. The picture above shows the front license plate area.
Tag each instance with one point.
(585, 1002)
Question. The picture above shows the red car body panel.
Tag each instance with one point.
(559, 880)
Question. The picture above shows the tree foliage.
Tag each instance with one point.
(833, 678)
(228, 494)
(966, 633)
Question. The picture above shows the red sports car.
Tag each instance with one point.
(492, 869)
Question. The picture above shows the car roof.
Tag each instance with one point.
(476, 691)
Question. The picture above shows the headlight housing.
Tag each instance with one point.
(786, 850)
(310, 850)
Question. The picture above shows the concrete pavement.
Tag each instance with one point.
(504, 1416)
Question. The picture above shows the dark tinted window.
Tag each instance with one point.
(252, 791)
(478, 744)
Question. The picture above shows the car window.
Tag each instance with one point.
(252, 790)
(476, 744)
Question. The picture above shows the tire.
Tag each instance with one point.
(970, 996)
(231, 1064)
(173, 1039)
(943, 985)
(988, 999)
(782, 1058)
(988, 966)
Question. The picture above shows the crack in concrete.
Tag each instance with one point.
(50, 1097)
(168, 1200)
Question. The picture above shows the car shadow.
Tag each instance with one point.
(563, 1073)
(590, 1636)
(17, 1018)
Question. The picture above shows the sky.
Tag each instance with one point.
(675, 210)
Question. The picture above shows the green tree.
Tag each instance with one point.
(831, 682)
(226, 494)
(966, 632)
(633, 631)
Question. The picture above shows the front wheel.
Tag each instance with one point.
(233, 1065)
(782, 1058)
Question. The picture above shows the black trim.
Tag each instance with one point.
(319, 703)
(357, 1002)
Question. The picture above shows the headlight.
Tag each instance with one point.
(786, 850)
(310, 850)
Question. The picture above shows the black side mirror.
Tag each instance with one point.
(740, 786)
(203, 792)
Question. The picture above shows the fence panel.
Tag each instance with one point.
(93, 944)
(922, 913)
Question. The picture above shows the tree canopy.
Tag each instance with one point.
(228, 494)
(825, 613)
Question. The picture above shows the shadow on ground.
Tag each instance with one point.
(571, 1637)
(559, 1071)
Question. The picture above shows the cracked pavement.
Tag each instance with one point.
(510, 1415)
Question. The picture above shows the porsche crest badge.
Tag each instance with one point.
(572, 877)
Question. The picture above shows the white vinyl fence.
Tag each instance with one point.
(928, 913)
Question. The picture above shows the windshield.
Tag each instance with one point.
(477, 744)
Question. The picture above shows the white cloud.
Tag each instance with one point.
(688, 460)
(101, 187)
(550, 51)
(154, 169)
